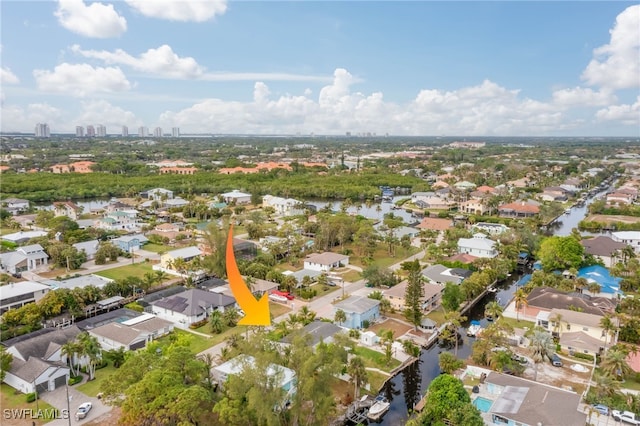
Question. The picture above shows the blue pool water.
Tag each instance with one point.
(483, 404)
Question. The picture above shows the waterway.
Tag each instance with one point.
(406, 388)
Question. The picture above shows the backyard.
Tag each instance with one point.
(135, 270)
(397, 327)
(375, 359)
(12, 399)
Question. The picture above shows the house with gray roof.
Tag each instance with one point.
(440, 274)
(514, 400)
(81, 281)
(190, 306)
(318, 331)
(358, 309)
(15, 205)
(23, 236)
(88, 247)
(25, 258)
(325, 262)
(38, 362)
(479, 246)
(127, 243)
(133, 333)
(604, 248)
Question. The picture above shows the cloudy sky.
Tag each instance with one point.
(274, 67)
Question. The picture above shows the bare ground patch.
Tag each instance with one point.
(602, 218)
(397, 327)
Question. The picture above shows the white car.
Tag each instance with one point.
(277, 298)
(83, 410)
(625, 417)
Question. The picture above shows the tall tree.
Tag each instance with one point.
(358, 374)
(542, 347)
(615, 364)
(520, 299)
(413, 298)
(6, 359)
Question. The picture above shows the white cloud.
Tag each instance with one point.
(161, 61)
(580, 96)
(628, 114)
(617, 65)
(81, 79)
(96, 20)
(7, 77)
(180, 10)
(17, 118)
(111, 116)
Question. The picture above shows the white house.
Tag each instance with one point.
(167, 260)
(25, 258)
(479, 246)
(236, 197)
(15, 205)
(18, 294)
(285, 376)
(490, 228)
(283, 206)
(325, 262)
(157, 194)
(132, 334)
(88, 247)
(190, 306)
(631, 238)
(22, 237)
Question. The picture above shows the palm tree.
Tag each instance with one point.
(340, 316)
(215, 322)
(117, 356)
(358, 373)
(70, 349)
(557, 323)
(605, 385)
(493, 310)
(615, 364)
(386, 338)
(306, 315)
(455, 319)
(594, 288)
(283, 328)
(91, 351)
(542, 347)
(231, 317)
(608, 326)
(521, 301)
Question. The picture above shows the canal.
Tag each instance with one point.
(405, 389)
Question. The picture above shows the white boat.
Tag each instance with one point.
(492, 290)
(379, 408)
(567, 211)
(473, 329)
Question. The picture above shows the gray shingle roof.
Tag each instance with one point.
(357, 304)
(194, 301)
(39, 345)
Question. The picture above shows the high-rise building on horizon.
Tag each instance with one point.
(143, 132)
(101, 131)
(157, 132)
(91, 131)
(175, 132)
(125, 131)
(42, 130)
(79, 132)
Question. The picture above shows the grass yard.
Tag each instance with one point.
(631, 383)
(382, 258)
(278, 309)
(136, 270)
(518, 324)
(376, 380)
(157, 248)
(351, 276)
(92, 388)
(10, 398)
(322, 290)
(437, 315)
(397, 327)
(197, 343)
(375, 359)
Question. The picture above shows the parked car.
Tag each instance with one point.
(556, 361)
(625, 417)
(519, 359)
(284, 294)
(602, 409)
(83, 410)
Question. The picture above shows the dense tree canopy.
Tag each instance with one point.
(560, 253)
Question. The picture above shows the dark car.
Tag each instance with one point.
(556, 361)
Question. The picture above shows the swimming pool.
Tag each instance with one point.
(483, 404)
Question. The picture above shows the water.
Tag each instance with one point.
(371, 212)
(565, 223)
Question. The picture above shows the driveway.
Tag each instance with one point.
(58, 399)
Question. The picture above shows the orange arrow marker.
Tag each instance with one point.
(256, 311)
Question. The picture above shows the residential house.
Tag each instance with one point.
(358, 309)
(15, 205)
(88, 247)
(490, 228)
(170, 163)
(431, 296)
(175, 202)
(619, 198)
(545, 299)
(68, 209)
(578, 331)
(441, 275)
(435, 203)
(178, 170)
(191, 306)
(22, 237)
(81, 281)
(465, 186)
(236, 197)
(157, 194)
(131, 334)
(517, 401)
(168, 259)
(474, 206)
(604, 248)
(519, 210)
(285, 376)
(325, 262)
(317, 331)
(609, 286)
(38, 363)
(283, 206)
(463, 258)
(15, 295)
(130, 243)
(435, 224)
(631, 238)
(25, 258)
(479, 246)
(260, 287)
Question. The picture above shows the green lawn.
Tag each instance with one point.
(351, 276)
(197, 343)
(375, 359)
(136, 270)
(376, 380)
(518, 324)
(92, 388)
(631, 383)
(322, 290)
(278, 309)
(10, 398)
(157, 248)
(381, 256)
(437, 315)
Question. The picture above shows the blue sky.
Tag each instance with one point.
(402, 68)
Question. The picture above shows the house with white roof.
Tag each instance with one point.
(490, 228)
(236, 197)
(15, 205)
(186, 253)
(15, 295)
(358, 309)
(25, 258)
(157, 194)
(283, 206)
(631, 238)
(286, 378)
(479, 246)
(325, 262)
(23, 236)
(89, 248)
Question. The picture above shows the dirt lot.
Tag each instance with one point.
(397, 327)
(562, 377)
(608, 218)
(110, 418)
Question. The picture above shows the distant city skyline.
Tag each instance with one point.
(325, 68)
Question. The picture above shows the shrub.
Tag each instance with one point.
(365, 324)
(354, 334)
(580, 355)
(74, 379)
(134, 306)
(31, 397)
(198, 324)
